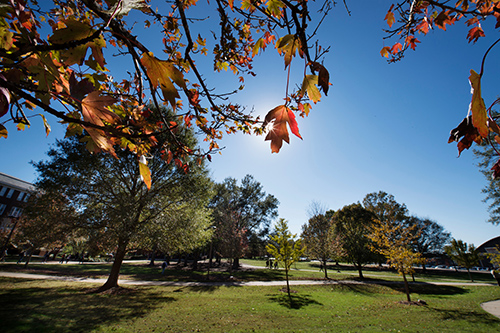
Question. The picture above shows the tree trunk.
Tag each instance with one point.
(407, 288)
(324, 267)
(470, 276)
(236, 263)
(360, 271)
(28, 258)
(112, 281)
(287, 284)
(153, 255)
(4, 248)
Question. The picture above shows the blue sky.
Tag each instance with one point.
(382, 127)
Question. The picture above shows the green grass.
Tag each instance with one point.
(54, 306)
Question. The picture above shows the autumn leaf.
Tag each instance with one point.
(45, 124)
(280, 116)
(3, 131)
(389, 17)
(385, 51)
(95, 109)
(465, 134)
(309, 84)
(163, 73)
(288, 46)
(323, 77)
(144, 171)
(474, 34)
(74, 30)
(477, 107)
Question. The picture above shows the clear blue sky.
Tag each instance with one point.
(382, 127)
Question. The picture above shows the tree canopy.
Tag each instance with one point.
(109, 195)
(56, 59)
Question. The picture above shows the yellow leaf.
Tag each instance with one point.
(309, 85)
(163, 73)
(145, 173)
(3, 131)
(477, 107)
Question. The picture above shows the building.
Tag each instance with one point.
(489, 246)
(14, 193)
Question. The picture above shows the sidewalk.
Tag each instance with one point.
(492, 307)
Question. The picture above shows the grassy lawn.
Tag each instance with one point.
(54, 306)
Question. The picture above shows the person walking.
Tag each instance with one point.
(163, 267)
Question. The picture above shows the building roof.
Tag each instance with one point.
(492, 243)
(15, 183)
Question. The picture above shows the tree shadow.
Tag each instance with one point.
(470, 316)
(295, 301)
(67, 309)
(421, 288)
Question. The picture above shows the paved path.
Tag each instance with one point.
(492, 307)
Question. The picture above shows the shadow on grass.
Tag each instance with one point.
(295, 301)
(421, 288)
(469, 316)
(66, 309)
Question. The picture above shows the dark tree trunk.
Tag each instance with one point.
(360, 271)
(153, 255)
(287, 284)
(407, 288)
(324, 268)
(112, 281)
(236, 263)
(28, 258)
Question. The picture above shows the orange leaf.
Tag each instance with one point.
(280, 116)
(477, 107)
(389, 17)
(94, 109)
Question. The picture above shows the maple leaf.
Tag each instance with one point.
(280, 116)
(309, 84)
(465, 134)
(323, 77)
(74, 30)
(389, 17)
(474, 34)
(94, 109)
(477, 107)
(385, 51)
(288, 45)
(162, 73)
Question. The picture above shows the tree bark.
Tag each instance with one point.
(112, 281)
(407, 288)
(153, 255)
(470, 276)
(324, 268)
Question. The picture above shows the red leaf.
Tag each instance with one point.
(280, 116)
(474, 34)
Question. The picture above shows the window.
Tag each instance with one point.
(26, 197)
(9, 194)
(2, 191)
(15, 212)
(20, 196)
(2, 208)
